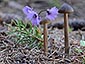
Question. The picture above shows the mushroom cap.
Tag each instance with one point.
(65, 8)
(45, 21)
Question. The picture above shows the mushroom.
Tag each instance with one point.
(45, 22)
(66, 9)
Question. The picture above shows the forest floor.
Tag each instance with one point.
(14, 53)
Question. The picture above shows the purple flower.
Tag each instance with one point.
(32, 15)
(35, 20)
(52, 13)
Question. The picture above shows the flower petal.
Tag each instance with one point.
(31, 14)
(27, 9)
(54, 10)
(53, 13)
(50, 17)
(35, 21)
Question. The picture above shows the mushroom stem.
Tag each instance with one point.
(45, 39)
(66, 33)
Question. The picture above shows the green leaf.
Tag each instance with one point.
(82, 43)
(22, 35)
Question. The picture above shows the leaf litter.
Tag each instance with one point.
(15, 53)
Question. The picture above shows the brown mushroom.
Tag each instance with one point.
(66, 9)
(45, 22)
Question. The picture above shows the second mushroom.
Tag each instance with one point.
(66, 9)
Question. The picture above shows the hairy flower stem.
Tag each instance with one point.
(66, 33)
(41, 11)
(45, 39)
